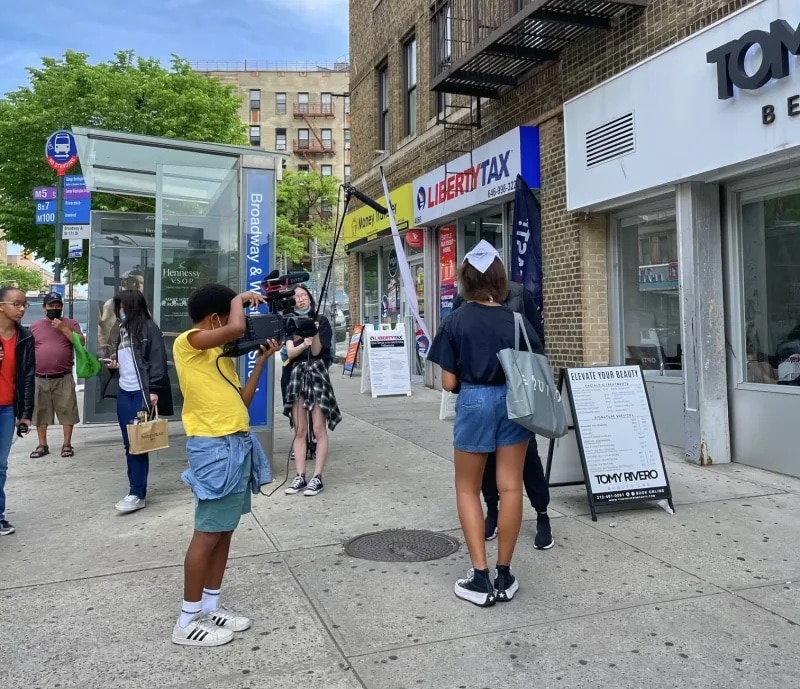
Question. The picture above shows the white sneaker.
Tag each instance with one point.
(201, 632)
(227, 618)
(130, 503)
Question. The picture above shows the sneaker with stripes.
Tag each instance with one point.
(227, 618)
(201, 632)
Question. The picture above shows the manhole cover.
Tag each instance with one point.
(401, 545)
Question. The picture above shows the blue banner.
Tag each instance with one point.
(257, 238)
(526, 245)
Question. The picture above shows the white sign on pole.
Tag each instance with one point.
(386, 362)
(617, 435)
(75, 249)
(76, 232)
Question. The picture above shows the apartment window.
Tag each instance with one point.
(346, 139)
(302, 138)
(326, 99)
(383, 108)
(347, 174)
(302, 168)
(327, 139)
(280, 139)
(347, 105)
(255, 135)
(280, 103)
(410, 85)
(302, 102)
(255, 99)
(327, 170)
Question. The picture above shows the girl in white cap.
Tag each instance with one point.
(466, 348)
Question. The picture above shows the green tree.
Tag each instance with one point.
(127, 94)
(25, 279)
(306, 211)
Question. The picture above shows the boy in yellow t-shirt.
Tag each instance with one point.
(225, 459)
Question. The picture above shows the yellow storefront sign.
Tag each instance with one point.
(365, 224)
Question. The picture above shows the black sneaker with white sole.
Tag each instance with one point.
(544, 535)
(314, 486)
(297, 485)
(505, 584)
(476, 588)
(5, 528)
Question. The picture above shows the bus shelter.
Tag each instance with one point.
(209, 217)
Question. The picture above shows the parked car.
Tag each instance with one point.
(343, 302)
(338, 321)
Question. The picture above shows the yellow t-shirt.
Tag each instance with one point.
(211, 406)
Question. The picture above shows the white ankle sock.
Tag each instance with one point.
(189, 611)
(211, 600)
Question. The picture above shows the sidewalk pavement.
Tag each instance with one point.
(88, 597)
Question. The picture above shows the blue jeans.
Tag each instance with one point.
(482, 424)
(7, 428)
(129, 404)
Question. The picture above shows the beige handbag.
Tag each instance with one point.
(148, 434)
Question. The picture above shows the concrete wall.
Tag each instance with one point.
(574, 246)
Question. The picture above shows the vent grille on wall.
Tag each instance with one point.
(611, 140)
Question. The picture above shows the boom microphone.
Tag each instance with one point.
(366, 200)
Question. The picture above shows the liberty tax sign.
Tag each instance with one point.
(489, 174)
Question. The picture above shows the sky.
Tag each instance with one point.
(264, 30)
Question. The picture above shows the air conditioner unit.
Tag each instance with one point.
(347, 147)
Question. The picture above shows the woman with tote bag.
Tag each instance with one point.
(466, 347)
(140, 383)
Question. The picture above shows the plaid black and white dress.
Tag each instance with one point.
(310, 381)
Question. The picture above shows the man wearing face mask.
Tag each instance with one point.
(55, 388)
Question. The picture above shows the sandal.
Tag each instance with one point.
(40, 451)
(67, 451)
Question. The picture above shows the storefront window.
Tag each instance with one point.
(771, 287)
(370, 303)
(648, 279)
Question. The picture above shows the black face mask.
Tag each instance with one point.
(53, 314)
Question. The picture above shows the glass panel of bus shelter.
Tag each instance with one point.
(199, 243)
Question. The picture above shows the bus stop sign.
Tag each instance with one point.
(61, 151)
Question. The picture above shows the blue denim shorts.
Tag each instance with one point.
(482, 423)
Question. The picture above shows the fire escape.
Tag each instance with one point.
(315, 145)
(485, 48)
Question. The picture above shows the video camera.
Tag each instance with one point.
(281, 321)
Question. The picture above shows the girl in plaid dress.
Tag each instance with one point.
(309, 389)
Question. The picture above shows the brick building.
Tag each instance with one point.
(298, 108)
(665, 240)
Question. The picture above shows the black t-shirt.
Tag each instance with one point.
(470, 338)
(325, 337)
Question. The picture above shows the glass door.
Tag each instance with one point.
(764, 326)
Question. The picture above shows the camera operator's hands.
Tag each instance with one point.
(271, 348)
(251, 298)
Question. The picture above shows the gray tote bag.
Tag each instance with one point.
(533, 400)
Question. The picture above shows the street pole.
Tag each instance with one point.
(59, 226)
(71, 288)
